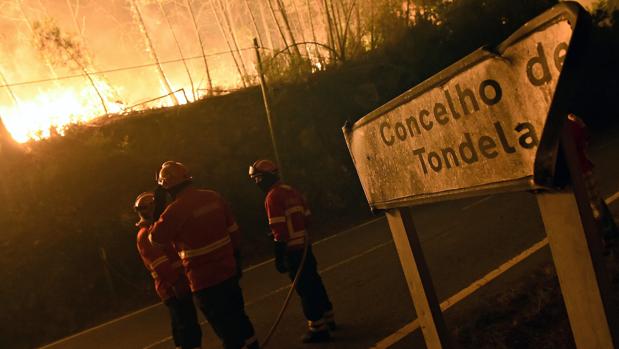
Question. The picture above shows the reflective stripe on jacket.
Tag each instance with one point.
(288, 215)
(163, 264)
(202, 228)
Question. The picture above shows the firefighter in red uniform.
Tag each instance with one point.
(603, 217)
(288, 216)
(200, 225)
(170, 281)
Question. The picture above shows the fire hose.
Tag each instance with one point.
(288, 296)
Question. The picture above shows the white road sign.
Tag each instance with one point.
(475, 125)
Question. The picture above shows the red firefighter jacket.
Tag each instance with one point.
(202, 228)
(581, 139)
(288, 215)
(164, 265)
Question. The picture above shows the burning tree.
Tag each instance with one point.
(135, 11)
(63, 50)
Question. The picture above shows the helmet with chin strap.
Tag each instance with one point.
(172, 173)
(144, 206)
(262, 167)
(144, 201)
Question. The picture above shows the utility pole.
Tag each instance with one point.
(267, 108)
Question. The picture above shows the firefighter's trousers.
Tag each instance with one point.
(310, 288)
(186, 330)
(224, 308)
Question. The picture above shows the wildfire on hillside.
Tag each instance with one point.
(67, 62)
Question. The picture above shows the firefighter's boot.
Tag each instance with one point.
(317, 332)
(330, 320)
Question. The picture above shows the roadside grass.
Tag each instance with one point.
(530, 314)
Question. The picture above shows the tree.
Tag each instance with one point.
(135, 9)
(74, 9)
(178, 46)
(209, 82)
(62, 50)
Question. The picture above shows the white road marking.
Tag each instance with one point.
(609, 200)
(476, 203)
(271, 260)
(349, 230)
(350, 259)
(325, 270)
(100, 326)
(161, 341)
(449, 302)
(256, 266)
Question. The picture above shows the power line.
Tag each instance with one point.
(117, 69)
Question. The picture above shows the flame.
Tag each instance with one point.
(42, 92)
(37, 110)
(52, 111)
(48, 112)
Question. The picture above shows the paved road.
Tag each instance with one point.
(463, 241)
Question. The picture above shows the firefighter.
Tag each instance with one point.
(199, 223)
(603, 217)
(170, 281)
(288, 216)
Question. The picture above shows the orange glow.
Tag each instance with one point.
(52, 111)
(35, 105)
(49, 112)
(50, 44)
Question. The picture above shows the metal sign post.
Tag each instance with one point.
(576, 249)
(490, 123)
(418, 278)
(576, 270)
(267, 107)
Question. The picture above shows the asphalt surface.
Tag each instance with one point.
(462, 240)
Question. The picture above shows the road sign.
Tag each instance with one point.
(492, 122)
(474, 128)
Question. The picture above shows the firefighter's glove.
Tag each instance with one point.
(280, 256)
(161, 197)
(239, 268)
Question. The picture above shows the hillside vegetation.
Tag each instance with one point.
(67, 246)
